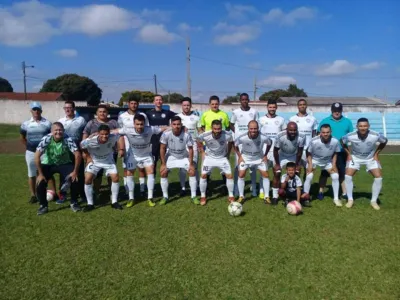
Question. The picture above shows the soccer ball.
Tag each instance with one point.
(294, 208)
(50, 195)
(235, 209)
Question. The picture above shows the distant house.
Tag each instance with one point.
(32, 96)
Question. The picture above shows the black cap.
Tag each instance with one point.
(337, 106)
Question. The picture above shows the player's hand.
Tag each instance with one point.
(376, 157)
(191, 168)
(265, 159)
(309, 170)
(298, 169)
(121, 153)
(163, 168)
(74, 176)
(40, 178)
(240, 160)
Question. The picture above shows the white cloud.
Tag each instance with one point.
(235, 34)
(156, 34)
(238, 11)
(184, 27)
(338, 67)
(249, 51)
(37, 87)
(277, 81)
(372, 65)
(156, 15)
(290, 18)
(67, 53)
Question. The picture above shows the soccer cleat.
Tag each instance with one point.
(231, 199)
(267, 200)
(42, 210)
(338, 203)
(375, 206)
(75, 207)
(285, 203)
(320, 196)
(349, 203)
(195, 201)
(182, 193)
(274, 201)
(61, 198)
(88, 208)
(116, 205)
(344, 196)
(33, 200)
(261, 196)
(163, 201)
(241, 200)
(203, 201)
(151, 203)
(306, 203)
(130, 203)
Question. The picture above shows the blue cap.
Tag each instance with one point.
(36, 105)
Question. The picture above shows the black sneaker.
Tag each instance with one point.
(75, 207)
(274, 201)
(285, 203)
(88, 208)
(306, 203)
(42, 210)
(116, 205)
(33, 200)
(182, 193)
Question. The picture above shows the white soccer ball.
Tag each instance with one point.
(294, 208)
(235, 209)
(50, 195)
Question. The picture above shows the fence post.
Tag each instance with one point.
(384, 123)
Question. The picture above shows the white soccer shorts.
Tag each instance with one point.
(142, 162)
(210, 163)
(284, 160)
(95, 168)
(316, 163)
(30, 163)
(175, 163)
(127, 162)
(258, 164)
(356, 163)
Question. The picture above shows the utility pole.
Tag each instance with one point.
(24, 67)
(255, 89)
(188, 79)
(155, 83)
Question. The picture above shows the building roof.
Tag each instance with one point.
(330, 100)
(32, 96)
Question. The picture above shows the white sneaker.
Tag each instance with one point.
(338, 203)
(349, 203)
(375, 206)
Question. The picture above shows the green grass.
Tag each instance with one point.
(182, 251)
(9, 132)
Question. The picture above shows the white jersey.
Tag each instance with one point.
(323, 152)
(125, 120)
(140, 143)
(305, 125)
(100, 153)
(241, 119)
(363, 149)
(272, 126)
(289, 147)
(252, 149)
(191, 122)
(292, 183)
(177, 145)
(216, 148)
(74, 127)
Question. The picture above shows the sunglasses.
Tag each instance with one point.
(36, 109)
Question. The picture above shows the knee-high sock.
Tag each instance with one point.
(240, 185)
(266, 185)
(253, 176)
(193, 186)
(142, 182)
(275, 192)
(335, 185)
(203, 187)
(126, 185)
(164, 186)
(114, 191)
(150, 186)
(262, 186)
(182, 178)
(89, 193)
(349, 186)
(131, 187)
(236, 181)
(229, 185)
(307, 183)
(376, 189)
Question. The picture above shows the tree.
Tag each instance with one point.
(140, 96)
(5, 86)
(295, 91)
(291, 91)
(74, 87)
(173, 98)
(231, 99)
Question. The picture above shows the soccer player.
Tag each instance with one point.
(290, 188)
(125, 120)
(99, 150)
(249, 149)
(364, 151)
(158, 117)
(214, 113)
(218, 147)
(306, 124)
(32, 131)
(191, 121)
(176, 152)
(322, 151)
(73, 126)
(271, 124)
(239, 125)
(140, 142)
(288, 147)
(53, 155)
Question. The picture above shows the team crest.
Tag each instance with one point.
(163, 115)
(251, 115)
(369, 143)
(308, 120)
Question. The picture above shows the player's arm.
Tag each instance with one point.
(85, 154)
(237, 150)
(86, 130)
(189, 144)
(298, 193)
(226, 122)
(232, 126)
(343, 142)
(277, 166)
(309, 160)
(121, 146)
(45, 141)
(232, 122)
(382, 144)
(22, 133)
(284, 182)
(334, 159)
(228, 153)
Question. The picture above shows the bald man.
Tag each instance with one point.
(289, 145)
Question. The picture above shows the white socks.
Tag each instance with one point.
(193, 186)
(376, 189)
(266, 184)
(229, 185)
(131, 187)
(307, 182)
(150, 186)
(89, 193)
(203, 187)
(164, 187)
(142, 181)
(335, 185)
(349, 186)
(126, 186)
(275, 193)
(114, 191)
(240, 184)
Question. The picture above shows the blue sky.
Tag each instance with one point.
(329, 48)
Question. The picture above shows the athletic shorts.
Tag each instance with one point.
(284, 160)
(30, 162)
(175, 163)
(95, 168)
(210, 163)
(323, 166)
(356, 163)
(142, 162)
(257, 164)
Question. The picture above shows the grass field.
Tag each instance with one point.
(8, 132)
(182, 251)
